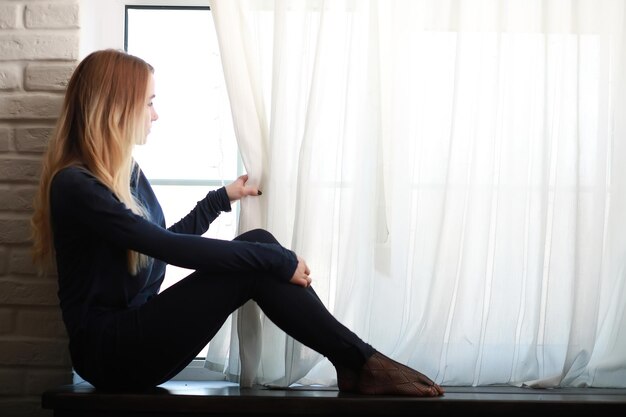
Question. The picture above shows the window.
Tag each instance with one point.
(191, 148)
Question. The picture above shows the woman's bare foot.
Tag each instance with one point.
(381, 375)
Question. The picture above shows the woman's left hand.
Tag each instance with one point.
(238, 189)
(302, 274)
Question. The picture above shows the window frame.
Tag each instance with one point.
(103, 22)
(176, 5)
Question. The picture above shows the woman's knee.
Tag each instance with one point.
(257, 235)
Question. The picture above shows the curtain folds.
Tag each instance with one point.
(452, 171)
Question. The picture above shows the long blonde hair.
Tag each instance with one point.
(101, 120)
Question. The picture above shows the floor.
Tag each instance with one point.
(217, 398)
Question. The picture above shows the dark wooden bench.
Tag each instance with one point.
(217, 398)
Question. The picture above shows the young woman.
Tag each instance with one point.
(97, 214)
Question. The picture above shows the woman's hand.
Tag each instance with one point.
(238, 189)
(301, 275)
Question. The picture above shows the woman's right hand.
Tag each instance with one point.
(239, 189)
(301, 275)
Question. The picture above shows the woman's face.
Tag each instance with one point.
(150, 114)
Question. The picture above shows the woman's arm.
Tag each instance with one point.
(77, 196)
(208, 209)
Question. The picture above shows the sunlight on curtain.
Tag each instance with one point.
(453, 173)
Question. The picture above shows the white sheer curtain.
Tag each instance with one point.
(453, 172)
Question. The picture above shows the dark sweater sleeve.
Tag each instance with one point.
(206, 210)
(79, 195)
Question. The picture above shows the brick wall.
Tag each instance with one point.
(39, 46)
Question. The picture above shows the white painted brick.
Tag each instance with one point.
(21, 262)
(48, 271)
(5, 139)
(28, 292)
(40, 380)
(10, 77)
(4, 261)
(20, 169)
(32, 139)
(34, 352)
(20, 45)
(41, 323)
(11, 382)
(17, 198)
(30, 106)
(14, 230)
(47, 76)
(51, 15)
(24, 406)
(7, 320)
(9, 13)
(39, 46)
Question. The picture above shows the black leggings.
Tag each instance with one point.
(168, 331)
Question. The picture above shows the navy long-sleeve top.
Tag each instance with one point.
(93, 230)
